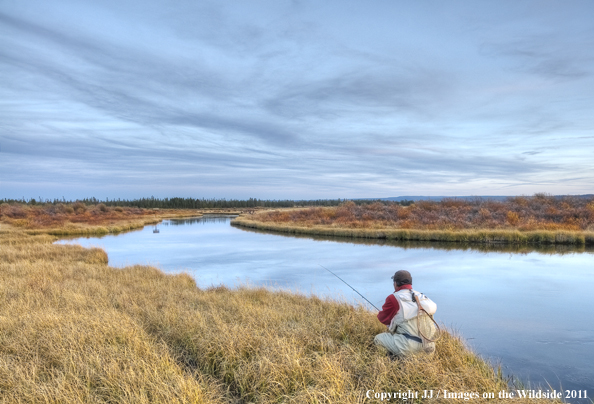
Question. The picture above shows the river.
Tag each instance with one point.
(529, 310)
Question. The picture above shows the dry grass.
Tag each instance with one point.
(540, 219)
(74, 329)
(375, 239)
(464, 236)
(80, 219)
(64, 339)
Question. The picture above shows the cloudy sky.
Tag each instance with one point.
(295, 99)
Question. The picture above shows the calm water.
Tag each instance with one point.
(531, 311)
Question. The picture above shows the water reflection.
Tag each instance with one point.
(513, 303)
(198, 220)
(439, 245)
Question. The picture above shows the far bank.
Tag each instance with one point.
(522, 220)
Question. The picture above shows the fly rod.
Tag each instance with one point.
(350, 287)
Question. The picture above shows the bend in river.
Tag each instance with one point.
(528, 308)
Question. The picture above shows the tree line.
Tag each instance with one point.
(202, 203)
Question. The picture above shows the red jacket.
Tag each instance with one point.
(390, 307)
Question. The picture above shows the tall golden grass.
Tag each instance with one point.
(73, 329)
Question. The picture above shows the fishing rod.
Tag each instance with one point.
(350, 287)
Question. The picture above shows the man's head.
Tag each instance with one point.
(402, 277)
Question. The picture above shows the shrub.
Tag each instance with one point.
(20, 223)
(79, 207)
(541, 212)
(512, 218)
(15, 212)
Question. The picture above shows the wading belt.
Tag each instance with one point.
(412, 337)
(430, 316)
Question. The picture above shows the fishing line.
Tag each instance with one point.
(350, 287)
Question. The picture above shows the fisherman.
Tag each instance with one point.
(410, 330)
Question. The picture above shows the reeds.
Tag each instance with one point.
(75, 330)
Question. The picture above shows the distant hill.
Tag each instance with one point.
(439, 198)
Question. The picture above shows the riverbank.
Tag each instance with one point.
(464, 236)
(434, 245)
(78, 219)
(75, 329)
(539, 219)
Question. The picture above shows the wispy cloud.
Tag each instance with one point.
(292, 100)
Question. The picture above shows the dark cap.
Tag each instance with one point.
(402, 277)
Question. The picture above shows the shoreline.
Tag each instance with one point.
(486, 236)
(116, 227)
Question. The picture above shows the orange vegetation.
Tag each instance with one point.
(45, 216)
(539, 212)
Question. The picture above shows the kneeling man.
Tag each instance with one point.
(409, 329)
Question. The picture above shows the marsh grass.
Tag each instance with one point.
(74, 329)
(437, 245)
(81, 219)
(505, 236)
(540, 219)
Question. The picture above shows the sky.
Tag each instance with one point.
(295, 99)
